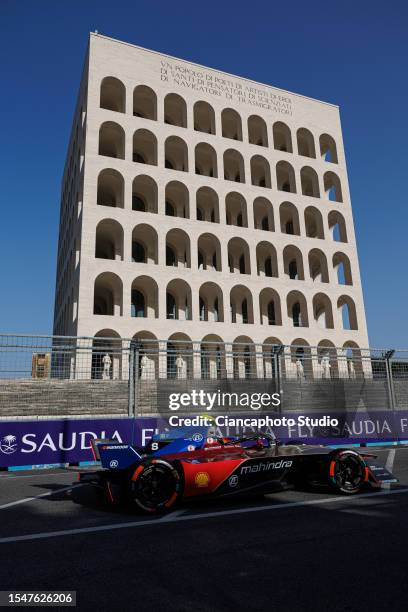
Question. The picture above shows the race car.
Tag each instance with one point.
(192, 463)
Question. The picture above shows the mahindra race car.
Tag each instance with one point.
(184, 464)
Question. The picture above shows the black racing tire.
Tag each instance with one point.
(347, 472)
(155, 486)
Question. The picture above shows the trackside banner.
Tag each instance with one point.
(68, 440)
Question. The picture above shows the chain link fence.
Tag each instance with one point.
(49, 376)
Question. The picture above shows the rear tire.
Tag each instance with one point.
(155, 486)
(347, 472)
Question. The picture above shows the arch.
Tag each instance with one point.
(175, 154)
(310, 182)
(328, 149)
(285, 177)
(238, 256)
(266, 259)
(207, 205)
(144, 103)
(318, 268)
(106, 342)
(269, 350)
(110, 188)
(213, 364)
(231, 124)
(144, 298)
(347, 310)
(289, 219)
(297, 309)
(314, 223)
(209, 252)
(113, 95)
(260, 172)
(327, 360)
(293, 262)
(109, 240)
(241, 305)
(206, 160)
(177, 199)
(244, 358)
(144, 194)
(270, 307)
(354, 362)
(332, 187)
(204, 117)
(178, 242)
(234, 166)
(148, 354)
(179, 356)
(112, 140)
(337, 226)
(263, 215)
(300, 352)
(144, 244)
(145, 147)
(282, 137)
(178, 298)
(257, 131)
(211, 303)
(342, 267)
(175, 110)
(322, 311)
(108, 292)
(236, 209)
(305, 143)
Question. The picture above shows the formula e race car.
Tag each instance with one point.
(183, 464)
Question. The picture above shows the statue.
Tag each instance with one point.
(107, 362)
(179, 366)
(144, 363)
(300, 373)
(326, 367)
(352, 372)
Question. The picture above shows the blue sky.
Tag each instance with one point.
(353, 54)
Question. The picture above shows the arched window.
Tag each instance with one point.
(175, 110)
(204, 118)
(144, 103)
(257, 132)
(231, 124)
(113, 95)
(112, 140)
(138, 304)
(282, 138)
(332, 187)
(328, 149)
(305, 140)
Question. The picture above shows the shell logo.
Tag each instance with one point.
(202, 479)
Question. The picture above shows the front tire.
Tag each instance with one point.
(347, 472)
(155, 486)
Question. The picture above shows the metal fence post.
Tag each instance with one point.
(131, 387)
(277, 359)
(136, 378)
(390, 381)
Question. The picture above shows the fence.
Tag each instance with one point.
(49, 376)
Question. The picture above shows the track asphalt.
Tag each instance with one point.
(297, 550)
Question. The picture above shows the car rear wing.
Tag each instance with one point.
(113, 455)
